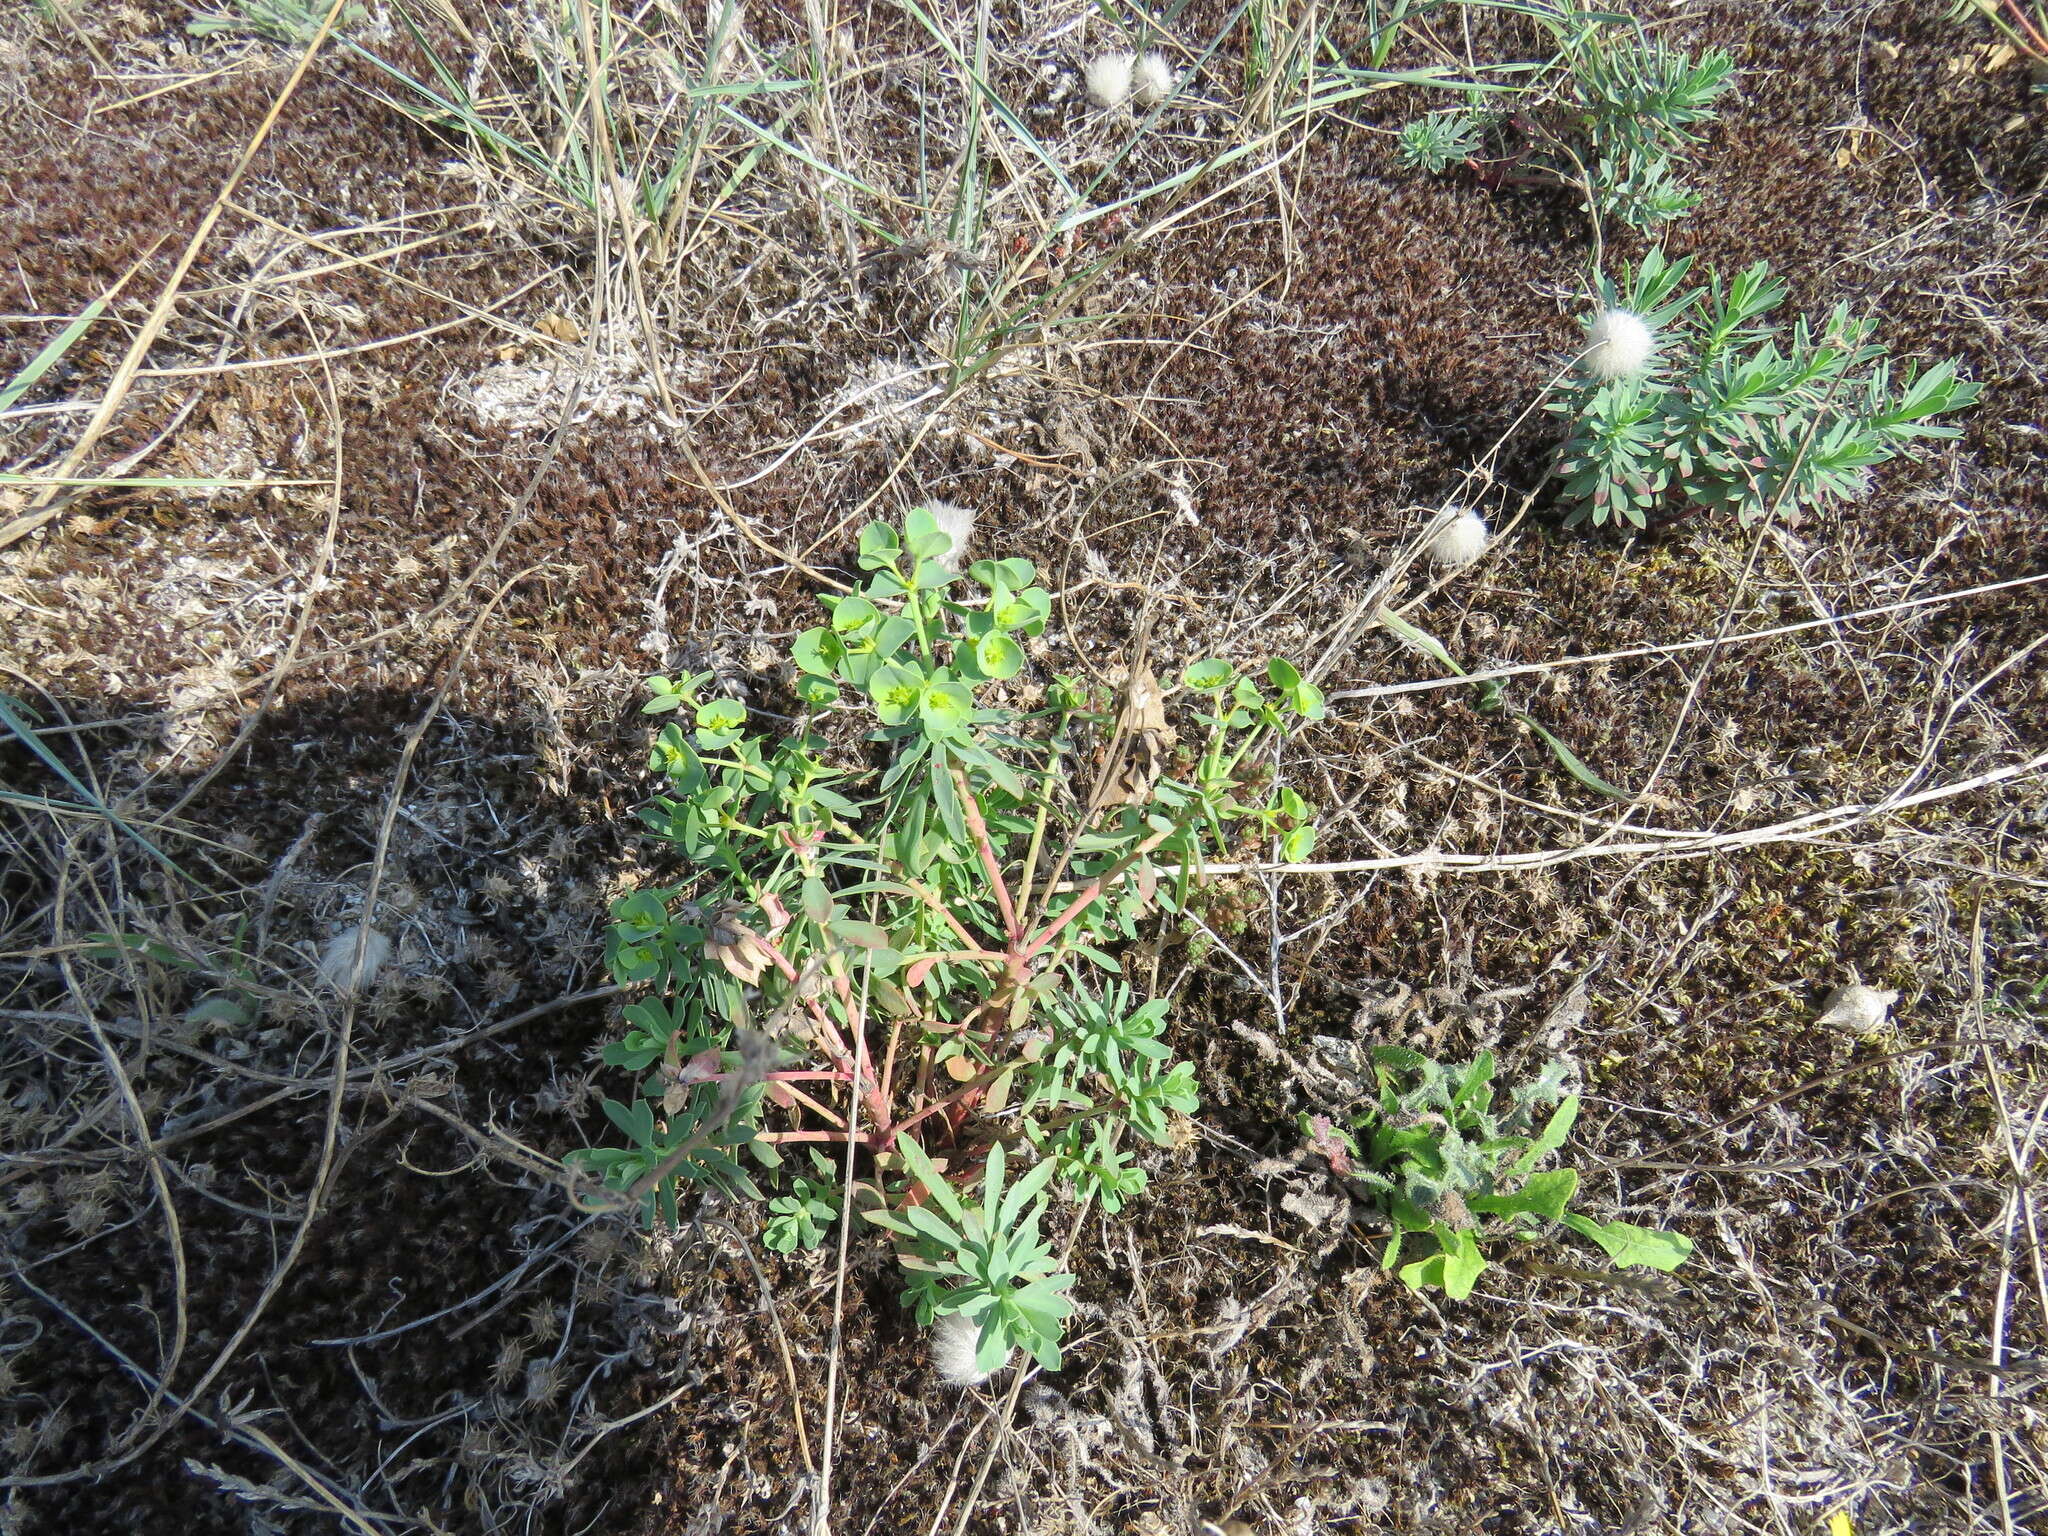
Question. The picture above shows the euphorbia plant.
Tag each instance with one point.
(891, 916)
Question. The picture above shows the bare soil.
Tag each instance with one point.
(428, 683)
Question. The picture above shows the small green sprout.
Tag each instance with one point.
(1457, 1171)
(1612, 114)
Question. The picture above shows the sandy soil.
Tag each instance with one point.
(409, 661)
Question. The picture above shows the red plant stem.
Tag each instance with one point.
(839, 1136)
(964, 1091)
(1089, 892)
(989, 864)
(795, 1075)
(924, 1077)
(966, 954)
(889, 1059)
(2034, 36)
(832, 1040)
(931, 899)
(829, 1116)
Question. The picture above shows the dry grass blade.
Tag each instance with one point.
(41, 509)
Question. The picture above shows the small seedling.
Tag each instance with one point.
(1457, 1173)
(801, 1218)
(1616, 122)
(892, 923)
(1730, 411)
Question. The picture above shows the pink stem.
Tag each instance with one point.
(975, 1085)
(989, 865)
(1093, 889)
(838, 1136)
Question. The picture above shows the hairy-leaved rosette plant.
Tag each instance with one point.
(1459, 1168)
(891, 938)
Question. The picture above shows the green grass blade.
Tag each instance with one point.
(46, 359)
(799, 153)
(23, 732)
(1570, 761)
(996, 104)
(1421, 639)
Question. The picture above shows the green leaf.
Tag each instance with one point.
(1455, 1267)
(922, 1221)
(922, 535)
(1013, 574)
(1212, 676)
(879, 547)
(928, 1175)
(1477, 1076)
(946, 708)
(1463, 1263)
(818, 651)
(1631, 1246)
(720, 715)
(947, 799)
(897, 692)
(998, 656)
(895, 632)
(816, 901)
(1545, 1194)
(859, 934)
(1569, 760)
(20, 730)
(1560, 1126)
(52, 350)
(1421, 639)
(1023, 1192)
(1282, 674)
(854, 614)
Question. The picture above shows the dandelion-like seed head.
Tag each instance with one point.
(1109, 79)
(1151, 80)
(1619, 344)
(1459, 540)
(956, 523)
(956, 1338)
(339, 967)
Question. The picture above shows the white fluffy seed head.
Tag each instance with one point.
(1619, 344)
(1109, 79)
(957, 524)
(1460, 538)
(1151, 80)
(955, 1339)
(338, 967)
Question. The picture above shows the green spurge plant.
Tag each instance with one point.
(891, 919)
(1733, 412)
(1615, 119)
(1454, 1169)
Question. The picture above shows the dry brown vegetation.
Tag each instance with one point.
(278, 1255)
